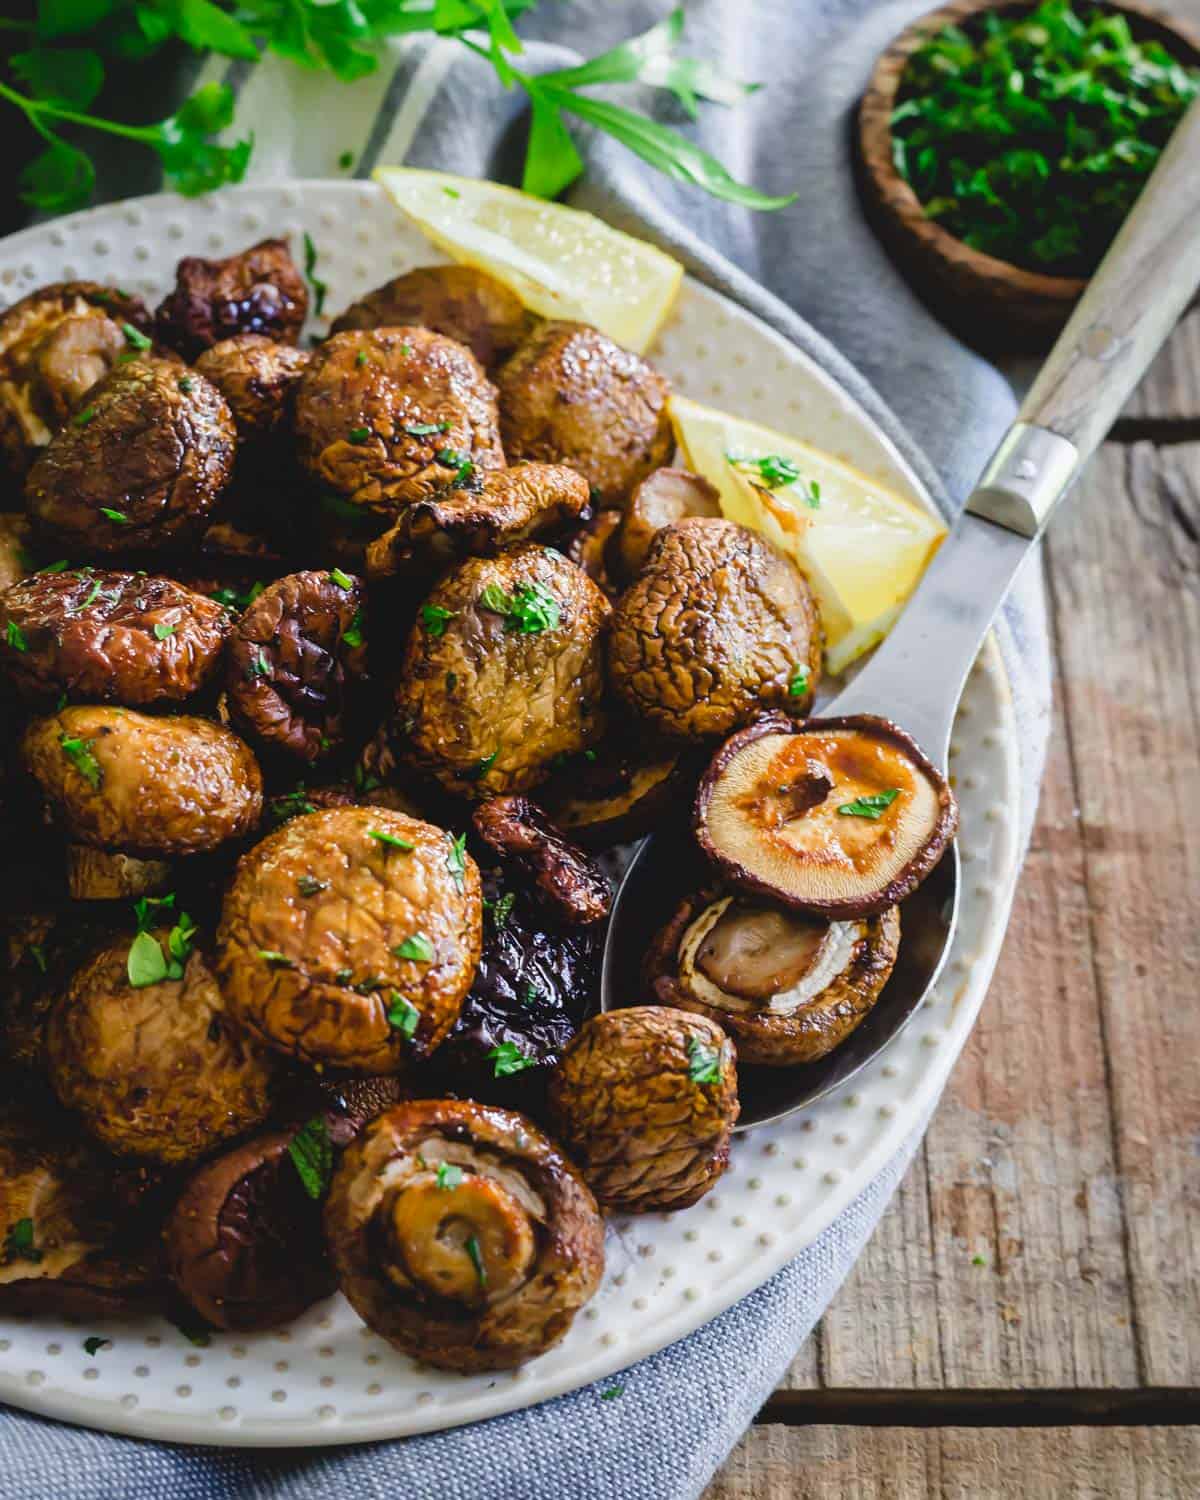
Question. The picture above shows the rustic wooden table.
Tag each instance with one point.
(1026, 1320)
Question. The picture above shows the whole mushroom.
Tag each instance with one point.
(259, 290)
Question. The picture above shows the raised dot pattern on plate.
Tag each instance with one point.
(667, 1274)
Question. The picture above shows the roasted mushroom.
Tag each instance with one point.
(259, 290)
(458, 301)
(142, 1046)
(628, 787)
(789, 988)
(109, 637)
(590, 547)
(154, 787)
(462, 1235)
(55, 344)
(350, 937)
(510, 505)
(14, 554)
(125, 1279)
(291, 657)
(140, 466)
(645, 1101)
(570, 884)
(388, 416)
(257, 378)
(717, 628)
(40, 949)
(662, 498)
(503, 672)
(569, 395)
(839, 818)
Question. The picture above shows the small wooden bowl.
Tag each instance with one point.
(993, 304)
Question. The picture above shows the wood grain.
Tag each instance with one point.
(1170, 392)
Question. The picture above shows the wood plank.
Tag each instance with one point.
(1123, 566)
(961, 1463)
(1170, 391)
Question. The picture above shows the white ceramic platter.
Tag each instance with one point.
(326, 1378)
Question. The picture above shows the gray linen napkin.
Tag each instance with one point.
(816, 274)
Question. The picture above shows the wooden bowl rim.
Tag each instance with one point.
(901, 203)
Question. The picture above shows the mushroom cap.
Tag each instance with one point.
(570, 884)
(510, 505)
(311, 933)
(716, 629)
(645, 1101)
(486, 707)
(146, 785)
(258, 378)
(483, 1269)
(153, 446)
(118, 1281)
(156, 1071)
(570, 395)
(375, 409)
(244, 1243)
(660, 500)
(839, 817)
(788, 987)
(461, 302)
(109, 637)
(258, 290)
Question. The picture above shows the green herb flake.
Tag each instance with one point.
(57, 567)
(343, 580)
(186, 384)
(311, 1152)
(771, 470)
(704, 1062)
(149, 910)
(309, 885)
(275, 959)
(449, 1176)
(456, 860)
(360, 358)
(451, 681)
(135, 338)
(530, 994)
(343, 976)
(403, 1015)
(359, 435)
(507, 1059)
(320, 288)
(162, 631)
(79, 752)
(15, 637)
(82, 418)
(423, 429)
(869, 807)
(117, 517)
(391, 840)
(501, 908)
(346, 160)
(95, 1343)
(451, 192)
(352, 635)
(528, 610)
(477, 1259)
(798, 682)
(979, 1260)
(479, 771)
(146, 963)
(416, 948)
(38, 954)
(434, 618)
(290, 805)
(459, 462)
(406, 349)
(613, 1392)
(18, 1243)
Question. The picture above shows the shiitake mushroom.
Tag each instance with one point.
(664, 497)
(569, 883)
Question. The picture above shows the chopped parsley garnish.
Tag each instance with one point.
(403, 1015)
(276, 959)
(434, 618)
(343, 580)
(812, 495)
(82, 418)
(501, 908)
(451, 681)
(151, 909)
(457, 461)
(473, 1243)
(346, 160)
(18, 1243)
(343, 976)
(704, 1063)
(406, 349)
(134, 337)
(869, 807)
(79, 752)
(92, 594)
(290, 805)
(798, 682)
(359, 434)
(15, 637)
(235, 601)
(477, 772)
(162, 631)
(258, 666)
(612, 1392)
(95, 1343)
(309, 885)
(392, 840)
(363, 781)
(771, 469)
(117, 517)
(352, 635)
(418, 948)
(38, 954)
(451, 192)
(529, 993)
(423, 429)
(58, 567)
(507, 1059)
(311, 1152)
(456, 860)
(320, 289)
(449, 1176)
(186, 384)
(530, 609)
(148, 964)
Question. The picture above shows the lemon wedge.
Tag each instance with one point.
(862, 546)
(561, 263)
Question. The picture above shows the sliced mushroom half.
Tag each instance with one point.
(836, 817)
(788, 987)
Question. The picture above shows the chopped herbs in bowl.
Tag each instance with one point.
(1028, 133)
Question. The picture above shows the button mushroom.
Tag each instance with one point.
(259, 290)
(788, 987)
(839, 818)
(717, 628)
(645, 1100)
(140, 466)
(350, 937)
(570, 395)
(503, 672)
(462, 1235)
(510, 505)
(459, 301)
(661, 499)
(141, 1045)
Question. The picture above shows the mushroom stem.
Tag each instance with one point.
(98, 875)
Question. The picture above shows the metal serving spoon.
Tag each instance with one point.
(916, 677)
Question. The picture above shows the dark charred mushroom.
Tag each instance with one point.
(292, 655)
(568, 882)
(645, 1100)
(503, 672)
(662, 498)
(259, 290)
(569, 395)
(462, 1235)
(838, 817)
(126, 1280)
(627, 788)
(14, 549)
(154, 1066)
(350, 937)
(716, 629)
(788, 987)
(458, 301)
(140, 466)
(510, 505)
(109, 637)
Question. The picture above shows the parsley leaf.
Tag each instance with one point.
(79, 752)
(352, 635)
(391, 840)
(311, 1152)
(501, 907)
(320, 289)
(403, 1015)
(507, 1059)
(798, 682)
(18, 1243)
(704, 1063)
(15, 637)
(162, 631)
(477, 1259)
(456, 860)
(95, 1343)
(417, 948)
(449, 1176)
(529, 609)
(434, 618)
(869, 807)
(135, 338)
(771, 469)
(343, 580)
